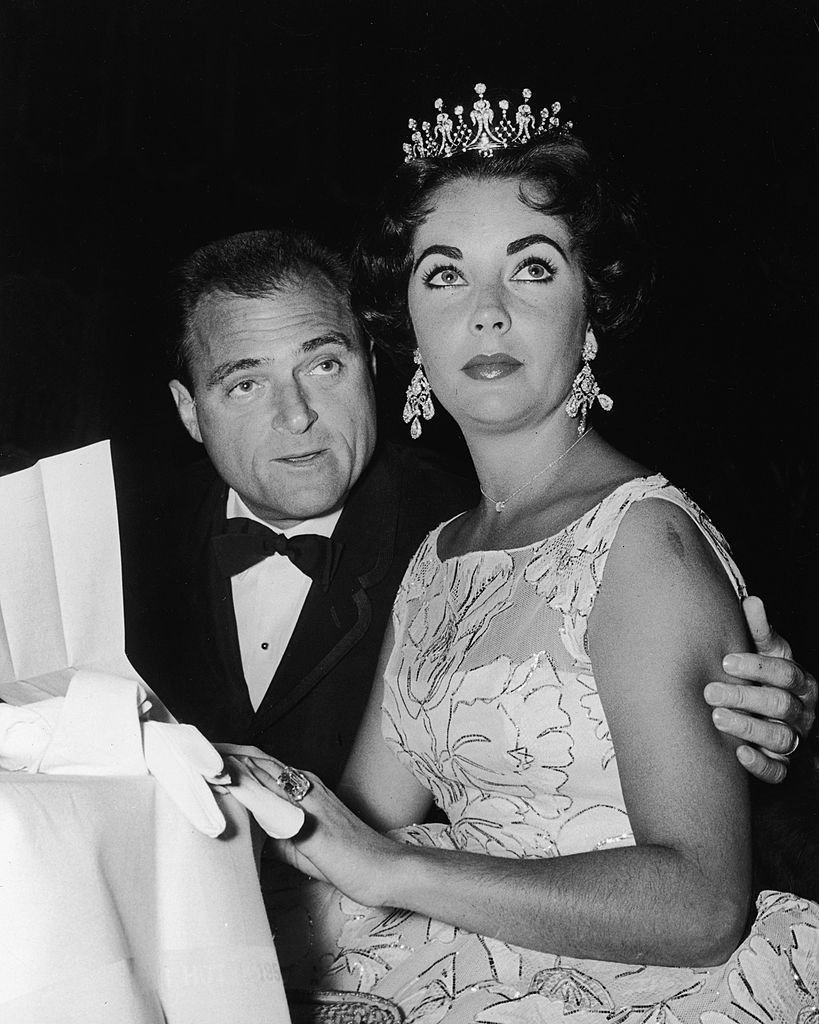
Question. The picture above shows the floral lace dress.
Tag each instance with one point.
(492, 704)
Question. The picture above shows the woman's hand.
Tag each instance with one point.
(333, 845)
(770, 716)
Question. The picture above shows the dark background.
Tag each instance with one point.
(135, 130)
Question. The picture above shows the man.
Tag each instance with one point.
(275, 380)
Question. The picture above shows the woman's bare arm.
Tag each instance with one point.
(382, 792)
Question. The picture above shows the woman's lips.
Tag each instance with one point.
(491, 367)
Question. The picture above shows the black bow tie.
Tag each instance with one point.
(246, 542)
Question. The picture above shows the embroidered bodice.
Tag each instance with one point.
(492, 701)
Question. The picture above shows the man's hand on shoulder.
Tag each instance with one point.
(771, 716)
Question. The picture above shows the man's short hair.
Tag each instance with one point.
(253, 264)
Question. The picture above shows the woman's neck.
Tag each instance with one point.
(545, 502)
(510, 463)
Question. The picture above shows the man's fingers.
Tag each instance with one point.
(770, 671)
(758, 732)
(767, 701)
(766, 639)
(761, 766)
(774, 674)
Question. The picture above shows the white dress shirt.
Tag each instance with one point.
(267, 600)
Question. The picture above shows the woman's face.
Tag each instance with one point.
(497, 304)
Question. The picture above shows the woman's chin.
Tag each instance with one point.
(499, 416)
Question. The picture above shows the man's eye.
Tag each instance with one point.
(443, 277)
(326, 366)
(242, 388)
(535, 268)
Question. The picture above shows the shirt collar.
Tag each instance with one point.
(322, 525)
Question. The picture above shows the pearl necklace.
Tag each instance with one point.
(500, 505)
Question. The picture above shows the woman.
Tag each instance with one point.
(542, 680)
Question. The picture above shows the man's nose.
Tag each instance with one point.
(490, 315)
(292, 413)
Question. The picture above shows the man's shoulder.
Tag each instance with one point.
(198, 483)
(162, 488)
(430, 483)
(416, 488)
(165, 511)
(394, 505)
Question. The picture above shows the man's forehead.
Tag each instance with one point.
(294, 310)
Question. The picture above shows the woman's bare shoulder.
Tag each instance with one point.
(663, 569)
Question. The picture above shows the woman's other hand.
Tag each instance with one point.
(770, 716)
(333, 845)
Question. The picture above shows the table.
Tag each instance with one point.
(115, 910)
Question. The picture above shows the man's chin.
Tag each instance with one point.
(298, 507)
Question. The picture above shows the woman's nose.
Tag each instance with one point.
(490, 314)
(293, 413)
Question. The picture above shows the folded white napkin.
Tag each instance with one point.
(26, 732)
(98, 728)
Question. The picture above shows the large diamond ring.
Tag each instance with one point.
(295, 783)
(792, 749)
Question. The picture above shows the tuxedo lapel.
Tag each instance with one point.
(220, 616)
(213, 622)
(332, 623)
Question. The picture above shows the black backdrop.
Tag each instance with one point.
(134, 130)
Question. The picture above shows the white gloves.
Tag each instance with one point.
(277, 816)
(100, 728)
(96, 730)
(183, 763)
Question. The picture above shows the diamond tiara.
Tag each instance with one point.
(447, 137)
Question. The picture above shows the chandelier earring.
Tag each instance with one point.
(419, 399)
(585, 389)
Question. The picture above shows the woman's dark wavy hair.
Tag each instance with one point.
(558, 176)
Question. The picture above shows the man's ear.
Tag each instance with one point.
(186, 407)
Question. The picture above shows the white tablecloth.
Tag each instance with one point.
(115, 910)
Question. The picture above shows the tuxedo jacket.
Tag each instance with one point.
(181, 630)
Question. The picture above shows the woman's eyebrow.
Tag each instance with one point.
(523, 243)
(443, 250)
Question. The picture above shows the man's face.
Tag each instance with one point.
(282, 399)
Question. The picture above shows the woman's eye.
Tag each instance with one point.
(534, 269)
(443, 277)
